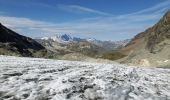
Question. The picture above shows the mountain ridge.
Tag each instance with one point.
(150, 48)
(14, 43)
(66, 44)
(65, 39)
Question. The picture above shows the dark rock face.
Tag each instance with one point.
(66, 37)
(14, 42)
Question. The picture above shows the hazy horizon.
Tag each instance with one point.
(111, 20)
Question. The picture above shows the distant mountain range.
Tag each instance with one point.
(67, 39)
(65, 44)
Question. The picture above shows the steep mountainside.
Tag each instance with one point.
(152, 46)
(11, 43)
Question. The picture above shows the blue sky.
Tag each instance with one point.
(100, 19)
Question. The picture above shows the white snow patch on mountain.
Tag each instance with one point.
(66, 38)
(60, 38)
(44, 79)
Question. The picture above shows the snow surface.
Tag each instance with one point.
(44, 79)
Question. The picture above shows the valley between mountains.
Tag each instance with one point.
(149, 48)
(62, 67)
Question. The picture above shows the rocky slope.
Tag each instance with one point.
(11, 43)
(43, 79)
(152, 46)
(83, 47)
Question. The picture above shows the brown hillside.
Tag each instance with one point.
(153, 45)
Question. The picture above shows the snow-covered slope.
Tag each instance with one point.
(43, 79)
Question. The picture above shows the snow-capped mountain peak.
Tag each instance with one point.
(45, 38)
(61, 38)
(66, 37)
(91, 39)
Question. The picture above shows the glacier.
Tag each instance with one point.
(24, 78)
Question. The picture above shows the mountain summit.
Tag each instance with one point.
(152, 46)
(60, 38)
